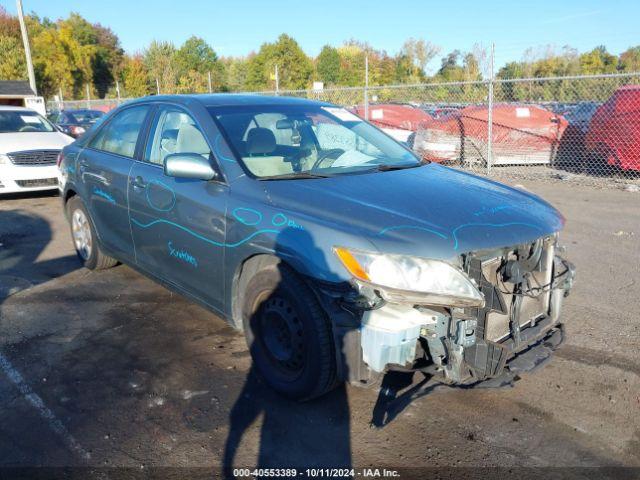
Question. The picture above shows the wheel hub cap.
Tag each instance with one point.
(81, 233)
(282, 334)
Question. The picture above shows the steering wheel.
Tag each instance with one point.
(332, 154)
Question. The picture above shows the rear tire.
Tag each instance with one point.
(598, 162)
(84, 237)
(288, 333)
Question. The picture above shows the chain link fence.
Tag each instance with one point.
(582, 128)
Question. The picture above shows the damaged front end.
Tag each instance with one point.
(513, 328)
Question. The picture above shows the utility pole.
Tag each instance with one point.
(27, 48)
(118, 90)
(366, 87)
(490, 115)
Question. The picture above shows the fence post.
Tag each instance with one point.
(366, 87)
(209, 78)
(157, 86)
(490, 115)
(88, 97)
(277, 78)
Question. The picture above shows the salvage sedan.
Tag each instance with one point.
(338, 252)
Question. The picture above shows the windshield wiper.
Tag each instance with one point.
(388, 168)
(294, 175)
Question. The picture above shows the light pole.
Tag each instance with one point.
(27, 48)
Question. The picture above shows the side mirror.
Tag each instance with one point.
(188, 165)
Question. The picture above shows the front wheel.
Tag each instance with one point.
(84, 237)
(288, 334)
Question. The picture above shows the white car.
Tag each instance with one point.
(29, 148)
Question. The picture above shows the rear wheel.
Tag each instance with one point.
(84, 237)
(598, 162)
(288, 334)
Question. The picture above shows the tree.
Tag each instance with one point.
(12, 61)
(235, 70)
(61, 62)
(108, 59)
(159, 62)
(294, 67)
(416, 54)
(598, 61)
(135, 79)
(9, 25)
(630, 60)
(328, 65)
(352, 64)
(195, 60)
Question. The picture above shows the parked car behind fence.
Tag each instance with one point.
(75, 122)
(613, 138)
(522, 135)
(399, 121)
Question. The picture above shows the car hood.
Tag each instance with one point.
(16, 142)
(429, 211)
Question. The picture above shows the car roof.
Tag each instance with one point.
(15, 109)
(80, 110)
(231, 99)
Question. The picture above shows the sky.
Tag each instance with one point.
(239, 27)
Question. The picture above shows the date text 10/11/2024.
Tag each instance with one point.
(316, 473)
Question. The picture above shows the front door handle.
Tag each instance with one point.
(138, 182)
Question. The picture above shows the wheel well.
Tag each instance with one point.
(70, 193)
(249, 267)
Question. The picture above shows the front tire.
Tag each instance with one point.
(84, 237)
(288, 333)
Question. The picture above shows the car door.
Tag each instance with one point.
(104, 171)
(178, 224)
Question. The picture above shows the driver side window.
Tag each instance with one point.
(174, 131)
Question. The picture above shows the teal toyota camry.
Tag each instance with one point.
(339, 253)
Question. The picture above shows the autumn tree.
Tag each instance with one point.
(12, 61)
(195, 60)
(160, 64)
(134, 76)
(598, 61)
(294, 67)
(630, 60)
(328, 65)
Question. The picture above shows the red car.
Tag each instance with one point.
(522, 134)
(613, 138)
(397, 120)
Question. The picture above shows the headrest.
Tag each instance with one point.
(191, 140)
(260, 141)
(170, 134)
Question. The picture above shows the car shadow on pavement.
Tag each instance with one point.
(309, 434)
(397, 391)
(23, 238)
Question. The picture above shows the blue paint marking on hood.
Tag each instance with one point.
(430, 211)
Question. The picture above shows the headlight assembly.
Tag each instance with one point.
(402, 279)
(3, 159)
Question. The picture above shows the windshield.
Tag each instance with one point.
(307, 140)
(84, 116)
(14, 121)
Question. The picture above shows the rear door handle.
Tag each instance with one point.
(138, 182)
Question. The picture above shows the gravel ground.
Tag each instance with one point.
(109, 369)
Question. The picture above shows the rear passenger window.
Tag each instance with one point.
(120, 135)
